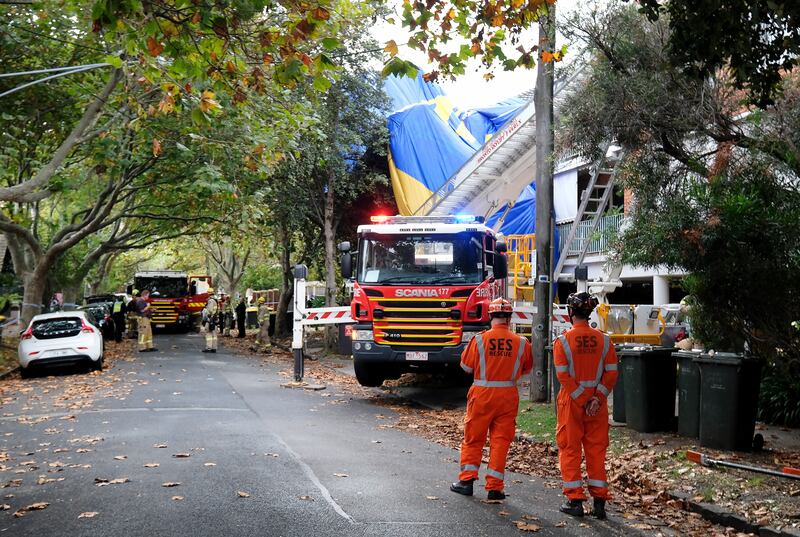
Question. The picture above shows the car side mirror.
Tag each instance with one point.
(344, 246)
(347, 265)
(500, 266)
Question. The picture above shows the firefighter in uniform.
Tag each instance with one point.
(586, 366)
(496, 358)
(143, 313)
(130, 308)
(262, 339)
(210, 321)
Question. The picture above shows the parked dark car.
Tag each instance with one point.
(100, 315)
(105, 299)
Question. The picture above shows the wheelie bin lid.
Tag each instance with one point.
(724, 358)
(640, 349)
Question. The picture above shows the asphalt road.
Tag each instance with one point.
(309, 464)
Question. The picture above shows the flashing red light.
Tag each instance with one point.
(379, 218)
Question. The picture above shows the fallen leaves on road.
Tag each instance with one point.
(88, 514)
(101, 482)
(431, 497)
(492, 502)
(120, 457)
(181, 455)
(5, 507)
(210, 464)
(151, 465)
(524, 526)
(178, 498)
(308, 498)
(561, 524)
(170, 484)
(272, 455)
(159, 446)
(45, 480)
(38, 506)
(242, 494)
(341, 475)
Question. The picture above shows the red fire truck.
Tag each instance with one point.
(421, 292)
(176, 298)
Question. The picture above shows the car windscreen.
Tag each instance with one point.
(56, 328)
(161, 287)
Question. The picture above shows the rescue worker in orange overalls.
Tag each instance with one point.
(497, 358)
(586, 366)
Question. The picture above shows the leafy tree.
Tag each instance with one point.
(715, 183)
(453, 31)
(759, 40)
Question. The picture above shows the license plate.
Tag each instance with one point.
(161, 326)
(417, 356)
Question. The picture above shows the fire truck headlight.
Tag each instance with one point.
(362, 335)
(466, 336)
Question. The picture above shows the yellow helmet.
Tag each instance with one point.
(261, 300)
(210, 291)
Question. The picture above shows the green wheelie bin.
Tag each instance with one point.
(649, 378)
(688, 394)
(729, 388)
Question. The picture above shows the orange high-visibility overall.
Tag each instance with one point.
(586, 366)
(497, 358)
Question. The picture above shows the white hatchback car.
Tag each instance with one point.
(61, 338)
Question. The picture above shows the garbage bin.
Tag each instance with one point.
(688, 394)
(618, 395)
(345, 339)
(649, 375)
(729, 388)
(272, 321)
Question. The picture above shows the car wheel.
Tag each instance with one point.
(26, 372)
(369, 374)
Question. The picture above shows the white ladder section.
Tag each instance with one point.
(500, 170)
(593, 204)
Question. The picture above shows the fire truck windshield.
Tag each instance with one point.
(421, 260)
(162, 287)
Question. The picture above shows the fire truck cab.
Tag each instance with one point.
(421, 291)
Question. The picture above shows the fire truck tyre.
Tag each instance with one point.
(369, 374)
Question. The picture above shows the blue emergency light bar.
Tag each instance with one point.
(457, 219)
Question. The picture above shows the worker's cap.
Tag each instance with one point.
(582, 302)
(500, 307)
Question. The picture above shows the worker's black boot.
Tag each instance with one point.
(572, 507)
(496, 495)
(462, 487)
(599, 509)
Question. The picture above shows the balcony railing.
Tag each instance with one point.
(598, 241)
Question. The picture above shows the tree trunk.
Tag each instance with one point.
(282, 328)
(73, 292)
(33, 300)
(329, 235)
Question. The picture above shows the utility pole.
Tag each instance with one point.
(543, 102)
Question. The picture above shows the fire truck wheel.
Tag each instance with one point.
(369, 374)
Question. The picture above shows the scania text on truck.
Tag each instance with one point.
(421, 292)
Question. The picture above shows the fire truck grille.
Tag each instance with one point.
(416, 322)
(164, 312)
